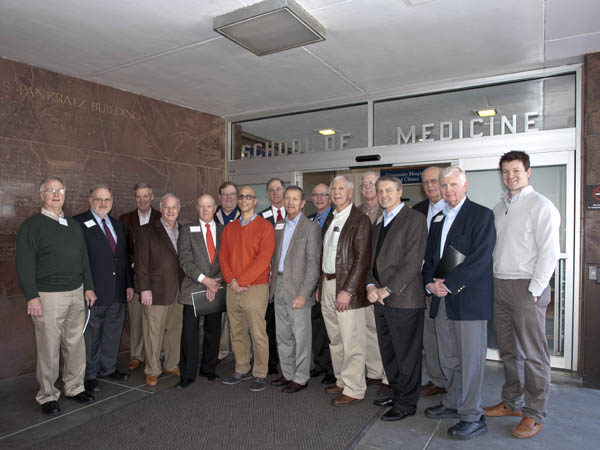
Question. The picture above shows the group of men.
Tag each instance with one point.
(355, 294)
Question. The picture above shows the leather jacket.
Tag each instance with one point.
(353, 257)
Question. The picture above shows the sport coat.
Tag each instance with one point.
(471, 283)
(157, 264)
(302, 265)
(131, 221)
(400, 258)
(422, 207)
(111, 271)
(353, 255)
(270, 218)
(194, 259)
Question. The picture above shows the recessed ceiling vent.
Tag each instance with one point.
(270, 26)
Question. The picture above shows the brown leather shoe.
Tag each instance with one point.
(344, 400)
(429, 389)
(173, 372)
(134, 364)
(151, 380)
(500, 410)
(335, 389)
(527, 428)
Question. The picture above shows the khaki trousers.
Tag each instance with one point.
(374, 363)
(246, 313)
(225, 340)
(136, 332)
(60, 329)
(162, 329)
(348, 343)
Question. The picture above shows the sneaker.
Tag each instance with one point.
(237, 377)
(259, 384)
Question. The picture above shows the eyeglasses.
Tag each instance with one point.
(433, 182)
(246, 197)
(274, 190)
(367, 183)
(229, 194)
(56, 191)
(319, 195)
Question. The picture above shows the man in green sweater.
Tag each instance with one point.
(54, 275)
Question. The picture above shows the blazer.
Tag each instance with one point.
(111, 272)
(400, 258)
(194, 259)
(157, 264)
(131, 221)
(302, 261)
(471, 282)
(328, 219)
(422, 207)
(353, 255)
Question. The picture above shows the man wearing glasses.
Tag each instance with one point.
(55, 277)
(247, 246)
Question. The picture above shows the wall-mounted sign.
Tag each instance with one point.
(592, 197)
(408, 176)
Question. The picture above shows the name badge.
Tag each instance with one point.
(267, 214)
(336, 229)
(279, 226)
(89, 223)
(63, 222)
(438, 218)
(196, 229)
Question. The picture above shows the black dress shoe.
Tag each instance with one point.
(51, 408)
(117, 376)
(329, 379)
(82, 397)
(386, 401)
(467, 430)
(183, 383)
(209, 376)
(293, 387)
(316, 372)
(441, 412)
(396, 414)
(92, 385)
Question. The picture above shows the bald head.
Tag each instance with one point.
(247, 201)
(206, 208)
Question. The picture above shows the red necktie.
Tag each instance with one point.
(279, 216)
(109, 236)
(210, 245)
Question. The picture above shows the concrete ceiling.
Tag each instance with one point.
(166, 49)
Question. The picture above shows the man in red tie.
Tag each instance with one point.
(198, 249)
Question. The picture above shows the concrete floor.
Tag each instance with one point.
(573, 421)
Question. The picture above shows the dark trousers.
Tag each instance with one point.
(102, 338)
(320, 340)
(190, 346)
(400, 335)
(272, 333)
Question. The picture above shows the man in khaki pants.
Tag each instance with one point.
(55, 277)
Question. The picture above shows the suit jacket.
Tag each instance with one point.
(302, 266)
(471, 282)
(194, 259)
(422, 207)
(111, 271)
(157, 264)
(399, 260)
(328, 219)
(131, 221)
(353, 255)
(271, 218)
(219, 215)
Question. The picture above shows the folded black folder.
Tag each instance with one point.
(449, 261)
(203, 307)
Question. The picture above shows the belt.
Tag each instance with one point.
(329, 276)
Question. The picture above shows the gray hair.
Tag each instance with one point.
(167, 195)
(451, 170)
(370, 172)
(345, 178)
(323, 185)
(397, 181)
(95, 187)
(47, 180)
(142, 186)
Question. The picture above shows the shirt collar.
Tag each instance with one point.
(346, 210)
(388, 216)
(250, 220)
(50, 214)
(508, 199)
(97, 217)
(166, 225)
(203, 223)
(453, 212)
(295, 221)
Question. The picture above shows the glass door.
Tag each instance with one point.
(553, 175)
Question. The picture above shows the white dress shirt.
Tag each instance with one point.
(331, 238)
(213, 231)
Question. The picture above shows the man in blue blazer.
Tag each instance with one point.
(111, 270)
(462, 301)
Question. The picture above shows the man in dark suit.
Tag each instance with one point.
(198, 248)
(320, 340)
(158, 280)
(462, 303)
(106, 243)
(133, 221)
(430, 207)
(395, 287)
(294, 276)
(274, 213)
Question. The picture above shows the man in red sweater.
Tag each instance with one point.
(247, 246)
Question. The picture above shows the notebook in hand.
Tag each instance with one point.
(449, 261)
(202, 306)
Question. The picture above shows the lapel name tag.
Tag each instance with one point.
(196, 229)
(279, 226)
(438, 218)
(267, 214)
(63, 222)
(336, 229)
(89, 223)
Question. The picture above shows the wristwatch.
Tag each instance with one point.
(388, 290)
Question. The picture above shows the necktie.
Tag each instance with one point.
(210, 245)
(279, 216)
(109, 236)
